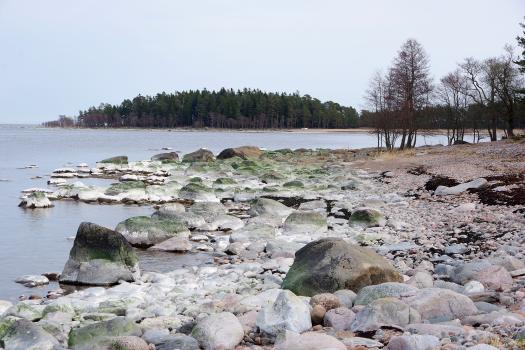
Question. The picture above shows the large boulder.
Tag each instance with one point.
(21, 334)
(200, 155)
(100, 256)
(145, 231)
(439, 305)
(241, 152)
(170, 156)
(331, 264)
(115, 160)
(218, 331)
(287, 313)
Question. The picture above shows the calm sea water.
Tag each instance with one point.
(36, 241)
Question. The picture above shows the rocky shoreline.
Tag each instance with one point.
(310, 249)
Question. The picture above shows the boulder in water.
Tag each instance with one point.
(116, 160)
(331, 264)
(241, 152)
(200, 155)
(36, 200)
(100, 256)
(170, 156)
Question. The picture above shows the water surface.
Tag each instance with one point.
(37, 241)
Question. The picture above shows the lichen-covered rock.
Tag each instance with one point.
(331, 264)
(116, 160)
(305, 221)
(36, 200)
(288, 312)
(241, 152)
(389, 289)
(102, 331)
(493, 277)
(122, 187)
(439, 305)
(269, 207)
(385, 312)
(200, 155)
(145, 231)
(197, 192)
(21, 334)
(218, 331)
(367, 217)
(100, 256)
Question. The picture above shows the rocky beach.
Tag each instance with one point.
(303, 249)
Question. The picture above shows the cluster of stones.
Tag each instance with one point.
(286, 232)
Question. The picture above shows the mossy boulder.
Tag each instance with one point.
(21, 334)
(305, 221)
(115, 160)
(102, 332)
(241, 152)
(122, 187)
(293, 184)
(170, 156)
(145, 231)
(100, 256)
(225, 181)
(331, 264)
(200, 155)
(367, 217)
(271, 176)
(197, 192)
(270, 207)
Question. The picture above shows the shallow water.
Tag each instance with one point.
(36, 241)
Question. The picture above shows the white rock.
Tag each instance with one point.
(288, 312)
(472, 287)
(447, 191)
(222, 330)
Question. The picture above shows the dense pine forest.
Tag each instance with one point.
(226, 108)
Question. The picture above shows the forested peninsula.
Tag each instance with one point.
(225, 108)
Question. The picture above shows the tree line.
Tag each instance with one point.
(226, 108)
(478, 96)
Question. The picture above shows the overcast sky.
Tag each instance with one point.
(59, 56)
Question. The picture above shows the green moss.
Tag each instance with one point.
(196, 179)
(195, 187)
(100, 331)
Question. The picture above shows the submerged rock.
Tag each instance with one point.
(145, 231)
(100, 256)
(331, 264)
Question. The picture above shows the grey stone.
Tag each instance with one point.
(389, 289)
(218, 330)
